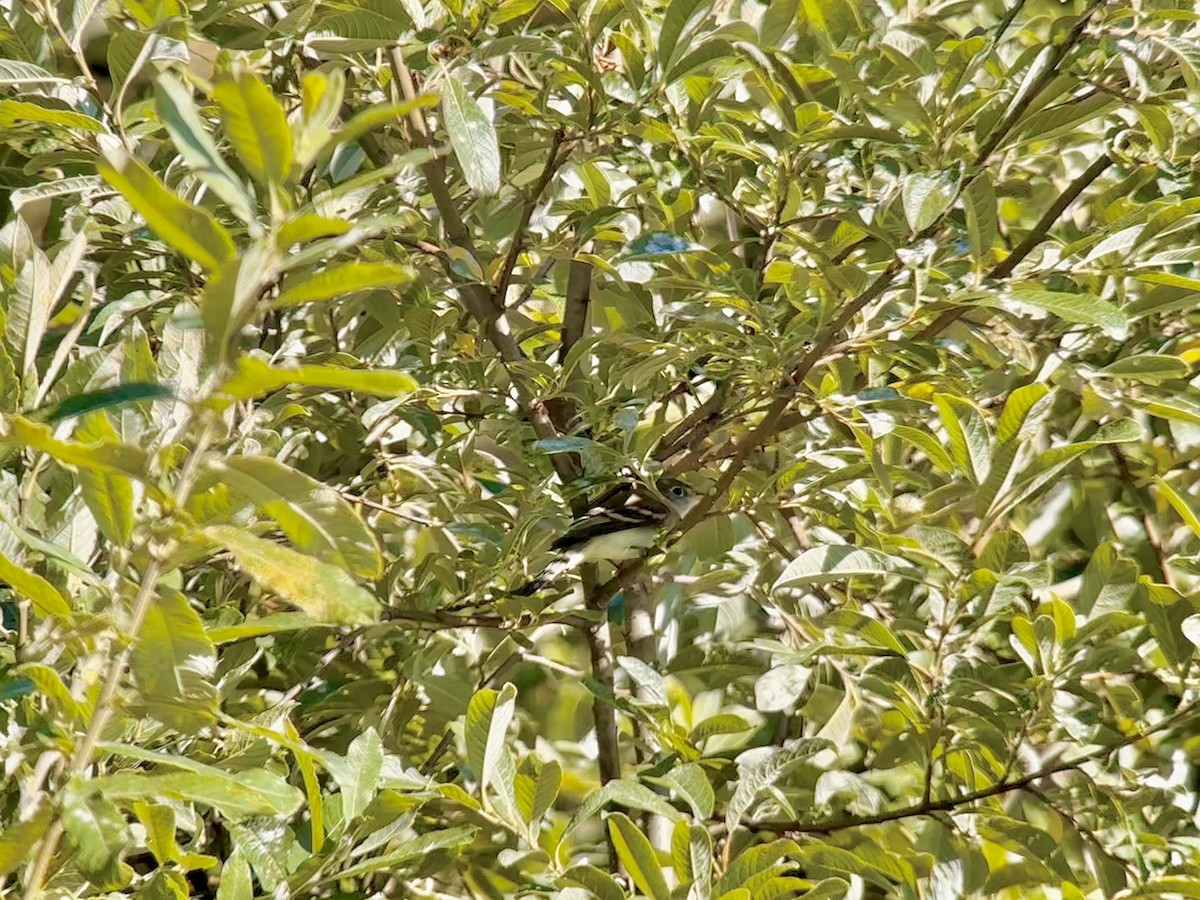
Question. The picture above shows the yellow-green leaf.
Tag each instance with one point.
(472, 137)
(42, 594)
(325, 592)
(314, 516)
(254, 378)
(638, 856)
(257, 126)
(22, 112)
(100, 457)
(189, 229)
(18, 840)
(341, 280)
(1181, 503)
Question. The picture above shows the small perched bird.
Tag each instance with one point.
(621, 526)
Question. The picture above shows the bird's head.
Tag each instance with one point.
(678, 496)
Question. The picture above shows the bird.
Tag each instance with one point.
(622, 525)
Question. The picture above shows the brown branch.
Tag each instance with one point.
(435, 169)
(553, 163)
(578, 300)
(1022, 101)
(1032, 240)
(608, 750)
(693, 427)
(951, 804)
(1153, 538)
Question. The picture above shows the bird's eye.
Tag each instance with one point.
(677, 491)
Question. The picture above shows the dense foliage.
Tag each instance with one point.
(322, 317)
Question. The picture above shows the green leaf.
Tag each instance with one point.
(652, 688)
(16, 72)
(308, 227)
(536, 795)
(472, 137)
(256, 125)
(109, 398)
(384, 114)
(315, 517)
(265, 846)
(253, 792)
(692, 857)
(37, 292)
(679, 13)
(15, 113)
(1077, 309)
(722, 723)
(342, 280)
(1014, 421)
(98, 836)
(109, 495)
(174, 663)
(178, 113)
(698, 58)
(925, 198)
(235, 883)
(837, 562)
(254, 378)
(488, 717)
(1023, 411)
(878, 867)
(18, 840)
(414, 849)
(102, 457)
(690, 782)
(357, 774)
(979, 203)
(757, 777)
(969, 439)
(1181, 503)
(752, 862)
(1178, 406)
(189, 229)
(1148, 367)
(630, 794)
(324, 592)
(780, 687)
(597, 881)
(635, 851)
(51, 686)
(37, 590)
(1167, 887)
(274, 624)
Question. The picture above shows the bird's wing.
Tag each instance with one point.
(637, 512)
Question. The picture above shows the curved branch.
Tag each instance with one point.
(951, 804)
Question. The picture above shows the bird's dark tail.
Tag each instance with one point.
(547, 575)
(529, 588)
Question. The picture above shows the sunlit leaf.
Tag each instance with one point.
(472, 136)
(323, 591)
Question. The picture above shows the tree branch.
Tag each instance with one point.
(1023, 100)
(1153, 538)
(1032, 240)
(553, 163)
(951, 804)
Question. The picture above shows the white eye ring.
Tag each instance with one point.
(677, 491)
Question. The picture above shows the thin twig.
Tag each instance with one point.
(952, 804)
(1153, 538)
(1031, 241)
(553, 164)
(105, 707)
